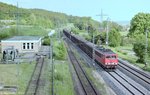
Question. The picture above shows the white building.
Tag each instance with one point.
(22, 43)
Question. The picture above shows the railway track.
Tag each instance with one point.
(120, 80)
(34, 83)
(131, 86)
(85, 82)
(145, 77)
(137, 75)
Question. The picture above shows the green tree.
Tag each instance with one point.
(139, 23)
(148, 50)
(75, 30)
(101, 36)
(139, 49)
(1, 24)
(91, 30)
(114, 38)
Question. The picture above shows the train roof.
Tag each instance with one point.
(100, 49)
(104, 50)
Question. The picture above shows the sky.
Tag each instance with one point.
(116, 10)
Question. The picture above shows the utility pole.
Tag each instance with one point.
(17, 17)
(17, 32)
(107, 30)
(51, 51)
(51, 62)
(52, 68)
(146, 45)
(88, 26)
(49, 48)
(17, 20)
(93, 59)
(101, 16)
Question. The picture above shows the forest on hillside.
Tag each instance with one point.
(40, 17)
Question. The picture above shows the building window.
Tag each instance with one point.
(28, 46)
(31, 45)
(24, 45)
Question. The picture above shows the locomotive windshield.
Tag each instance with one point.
(111, 57)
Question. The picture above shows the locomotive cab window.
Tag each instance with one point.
(108, 57)
(111, 57)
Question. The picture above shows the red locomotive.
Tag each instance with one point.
(105, 57)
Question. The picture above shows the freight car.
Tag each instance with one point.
(105, 57)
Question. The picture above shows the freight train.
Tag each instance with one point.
(104, 57)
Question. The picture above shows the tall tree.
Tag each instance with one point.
(114, 38)
(139, 49)
(139, 23)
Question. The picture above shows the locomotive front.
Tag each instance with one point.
(111, 60)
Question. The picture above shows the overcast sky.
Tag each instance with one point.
(117, 10)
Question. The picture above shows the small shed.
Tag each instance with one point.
(22, 44)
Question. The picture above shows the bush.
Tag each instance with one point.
(60, 52)
(3, 36)
(125, 53)
(46, 41)
(75, 30)
(58, 76)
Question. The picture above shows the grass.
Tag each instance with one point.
(63, 84)
(25, 31)
(142, 66)
(9, 75)
(33, 31)
(24, 75)
(123, 54)
(97, 82)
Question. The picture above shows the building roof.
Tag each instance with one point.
(23, 38)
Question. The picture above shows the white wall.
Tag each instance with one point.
(19, 45)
